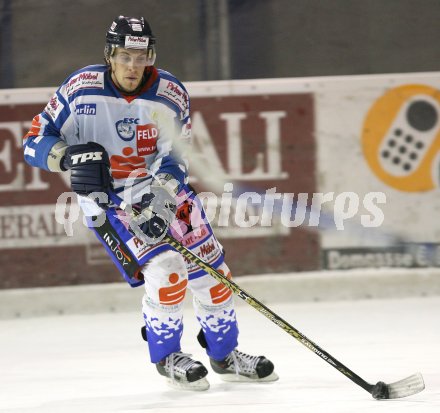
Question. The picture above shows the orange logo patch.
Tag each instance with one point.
(175, 293)
(220, 293)
(123, 166)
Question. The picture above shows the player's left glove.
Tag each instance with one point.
(90, 168)
(158, 208)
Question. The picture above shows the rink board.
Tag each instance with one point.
(306, 287)
(305, 135)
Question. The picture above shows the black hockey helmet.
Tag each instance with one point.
(130, 33)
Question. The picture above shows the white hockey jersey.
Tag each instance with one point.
(143, 135)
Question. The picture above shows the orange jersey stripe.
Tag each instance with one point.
(35, 127)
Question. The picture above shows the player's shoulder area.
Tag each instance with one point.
(172, 91)
(88, 77)
(164, 75)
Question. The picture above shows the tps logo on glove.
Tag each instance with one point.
(89, 166)
(85, 157)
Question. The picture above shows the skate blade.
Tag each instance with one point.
(245, 379)
(199, 385)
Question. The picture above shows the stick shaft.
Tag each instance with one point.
(253, 302)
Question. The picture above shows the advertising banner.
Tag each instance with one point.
(263, 142)
(355, 160)
(378, 140)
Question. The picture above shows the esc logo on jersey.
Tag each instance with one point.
(126, 128)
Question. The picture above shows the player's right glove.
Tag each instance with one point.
(90, 168)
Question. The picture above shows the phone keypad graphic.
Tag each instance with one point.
(410, 135)
(401, 137)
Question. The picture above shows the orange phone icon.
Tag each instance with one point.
(401, 137)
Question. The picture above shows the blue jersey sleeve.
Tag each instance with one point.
(54, 123)
(45, 131)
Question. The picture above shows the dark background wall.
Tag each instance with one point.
(42, 42)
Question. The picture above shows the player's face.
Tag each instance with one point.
(128, 67)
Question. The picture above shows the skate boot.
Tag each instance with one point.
(183, 372)
(238, 366)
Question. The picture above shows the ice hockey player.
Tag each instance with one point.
(114, 126)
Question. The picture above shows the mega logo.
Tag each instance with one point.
(126, 128)
(146, 137)
(86, 109)
(115, 247)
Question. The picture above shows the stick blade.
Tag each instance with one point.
(411, 385)
(407, 387)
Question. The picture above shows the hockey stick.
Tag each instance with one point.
(402, 388)
(406, 387)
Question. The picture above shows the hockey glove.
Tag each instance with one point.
(158, 210)
(90, 168)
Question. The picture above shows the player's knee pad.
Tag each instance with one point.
(166, 280)
(209, 292)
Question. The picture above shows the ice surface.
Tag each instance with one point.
(99, 363)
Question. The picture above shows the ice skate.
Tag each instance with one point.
(238, 366)
(183, 372)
